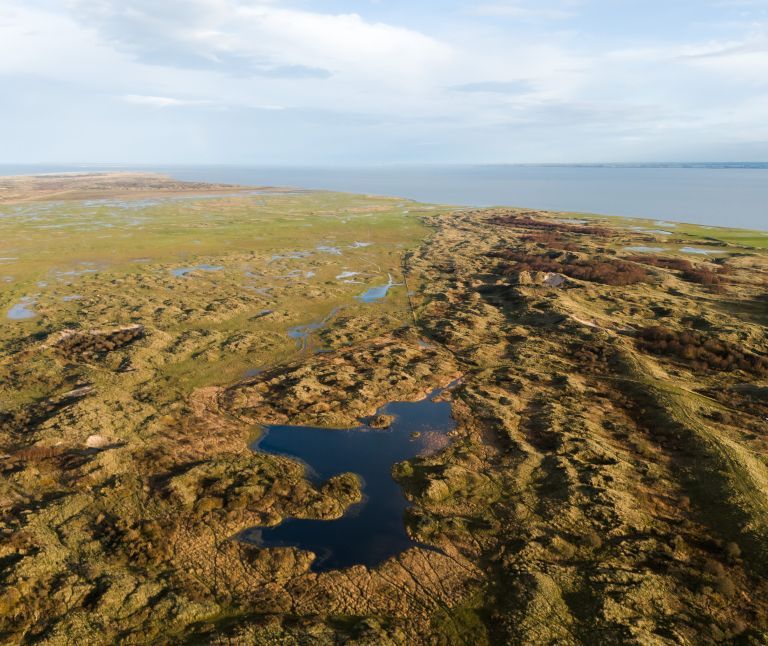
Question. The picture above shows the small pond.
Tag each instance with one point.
(643, 249)
(328, 249)
(377, 293)
(183, 271)
(660, 232)
(372, 530)
(697, 250)
(302, 333)
(22, 310)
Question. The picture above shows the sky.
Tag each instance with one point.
(334, 82)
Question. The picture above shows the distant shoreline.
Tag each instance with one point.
(693, 192)
(7, 168)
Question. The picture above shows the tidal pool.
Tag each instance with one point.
(374, 529)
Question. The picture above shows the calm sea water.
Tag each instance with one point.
(714, 194)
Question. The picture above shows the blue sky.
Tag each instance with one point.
(385, 81)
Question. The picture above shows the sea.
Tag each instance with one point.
(713, 194)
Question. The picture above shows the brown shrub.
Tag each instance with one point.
(693, 274)
(607, 272)
(550, 240)
(680, 264)
(592, 540)
(725, 586)
(90, 344)
(704, 352)
(592, 353)
(703, 276)
(525, 221)
(732, 552)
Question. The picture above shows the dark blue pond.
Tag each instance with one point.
(373, 530)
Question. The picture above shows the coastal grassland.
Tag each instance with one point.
(679, 232)
(219, 279)
(603, 482)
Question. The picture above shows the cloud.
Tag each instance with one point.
(742, 4)
(256, 38)
(727, 63)
(300, 82)
(495, 87)
(525, 10)
(162, 101)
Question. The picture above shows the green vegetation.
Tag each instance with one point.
(111, 262)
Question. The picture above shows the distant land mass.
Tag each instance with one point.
(730, 194)
(718, 165)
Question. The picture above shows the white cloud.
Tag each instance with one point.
(256, 38)
(184, 63)
(162, 101)
(526, 10)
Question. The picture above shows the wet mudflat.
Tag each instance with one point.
(374, 529)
